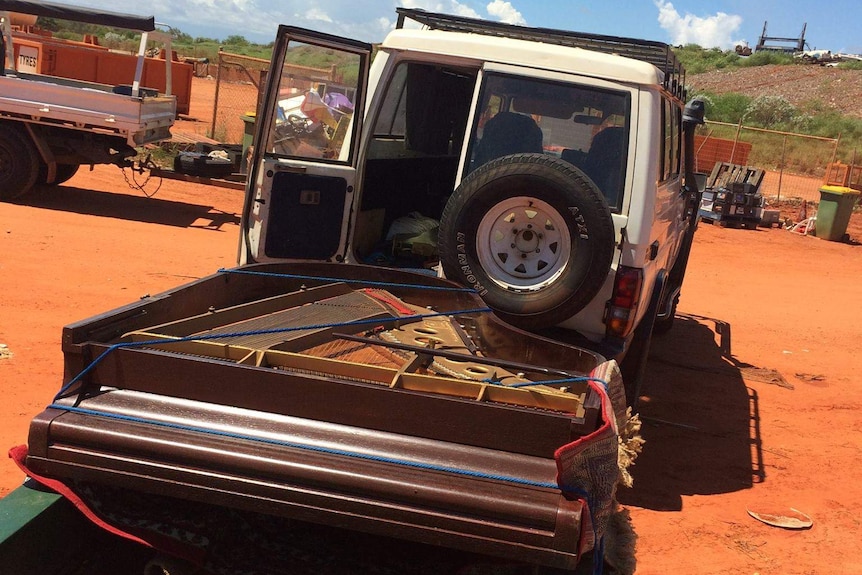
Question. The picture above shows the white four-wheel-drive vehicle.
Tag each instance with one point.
(316, 383)
(49, 126)
(545, 169)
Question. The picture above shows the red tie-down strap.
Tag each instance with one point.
(149, 538)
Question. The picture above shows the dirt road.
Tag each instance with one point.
(753, 399)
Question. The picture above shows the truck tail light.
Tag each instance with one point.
(623, 306)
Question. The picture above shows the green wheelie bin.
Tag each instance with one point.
(833, 214)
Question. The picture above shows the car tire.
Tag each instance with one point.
(19, 162)
(532, 234)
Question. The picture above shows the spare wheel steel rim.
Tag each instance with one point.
(523, 244)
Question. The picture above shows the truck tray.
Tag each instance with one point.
(399, 407)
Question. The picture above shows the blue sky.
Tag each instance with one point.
(832, 24)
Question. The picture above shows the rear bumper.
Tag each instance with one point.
(429, 491)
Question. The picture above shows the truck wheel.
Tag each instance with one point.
(532, 234)
(19, 163)
(64, 173)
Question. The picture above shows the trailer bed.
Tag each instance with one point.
(398, 407)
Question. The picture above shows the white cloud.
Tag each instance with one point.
(383, 24)
(710, 31)
(497, 9)
(447, 7)
(317, 14)
(505, 12)
(257, 20)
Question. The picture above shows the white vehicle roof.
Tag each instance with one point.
(525, 53)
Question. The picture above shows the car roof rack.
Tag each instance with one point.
(658, 54)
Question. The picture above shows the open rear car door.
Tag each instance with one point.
(303, 162)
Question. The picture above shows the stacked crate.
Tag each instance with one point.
(731, 202)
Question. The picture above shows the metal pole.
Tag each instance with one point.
(735, 140)
(781, 170)
(853, 168)
(215, 102)
(835, 149)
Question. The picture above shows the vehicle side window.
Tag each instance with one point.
(424, 111)
(676, 137)
(667, 140)
(391, 118)
(671, 139)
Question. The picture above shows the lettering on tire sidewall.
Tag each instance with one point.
(464, 265)
(580, 223)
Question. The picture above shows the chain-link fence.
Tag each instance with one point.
(795, 165)
(239, 81)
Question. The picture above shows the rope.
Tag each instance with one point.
(313, 448)
(550, 382)
(132, 344)
(343, 280)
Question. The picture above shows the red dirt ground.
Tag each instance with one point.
(752, 401)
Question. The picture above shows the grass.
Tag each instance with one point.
(813, 118)
(698, 60)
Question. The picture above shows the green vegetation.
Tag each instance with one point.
(769, 112)
(698, 60)
(801, 155)
(129, 40)
(346, 66)
(776, 113)
(813, 118)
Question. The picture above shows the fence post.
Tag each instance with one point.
(781, 169)
(735, 140)
(215, 101)
(835, 149)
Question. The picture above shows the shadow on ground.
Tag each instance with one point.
(127, 207)
(700, 420)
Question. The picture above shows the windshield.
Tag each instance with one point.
(583, 125)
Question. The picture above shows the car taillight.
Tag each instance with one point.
(623, 306)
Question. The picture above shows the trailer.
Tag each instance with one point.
(50, 126)
(272, 394)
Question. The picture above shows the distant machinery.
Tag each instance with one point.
(784, 44)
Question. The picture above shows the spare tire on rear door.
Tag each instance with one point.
(532, 234)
